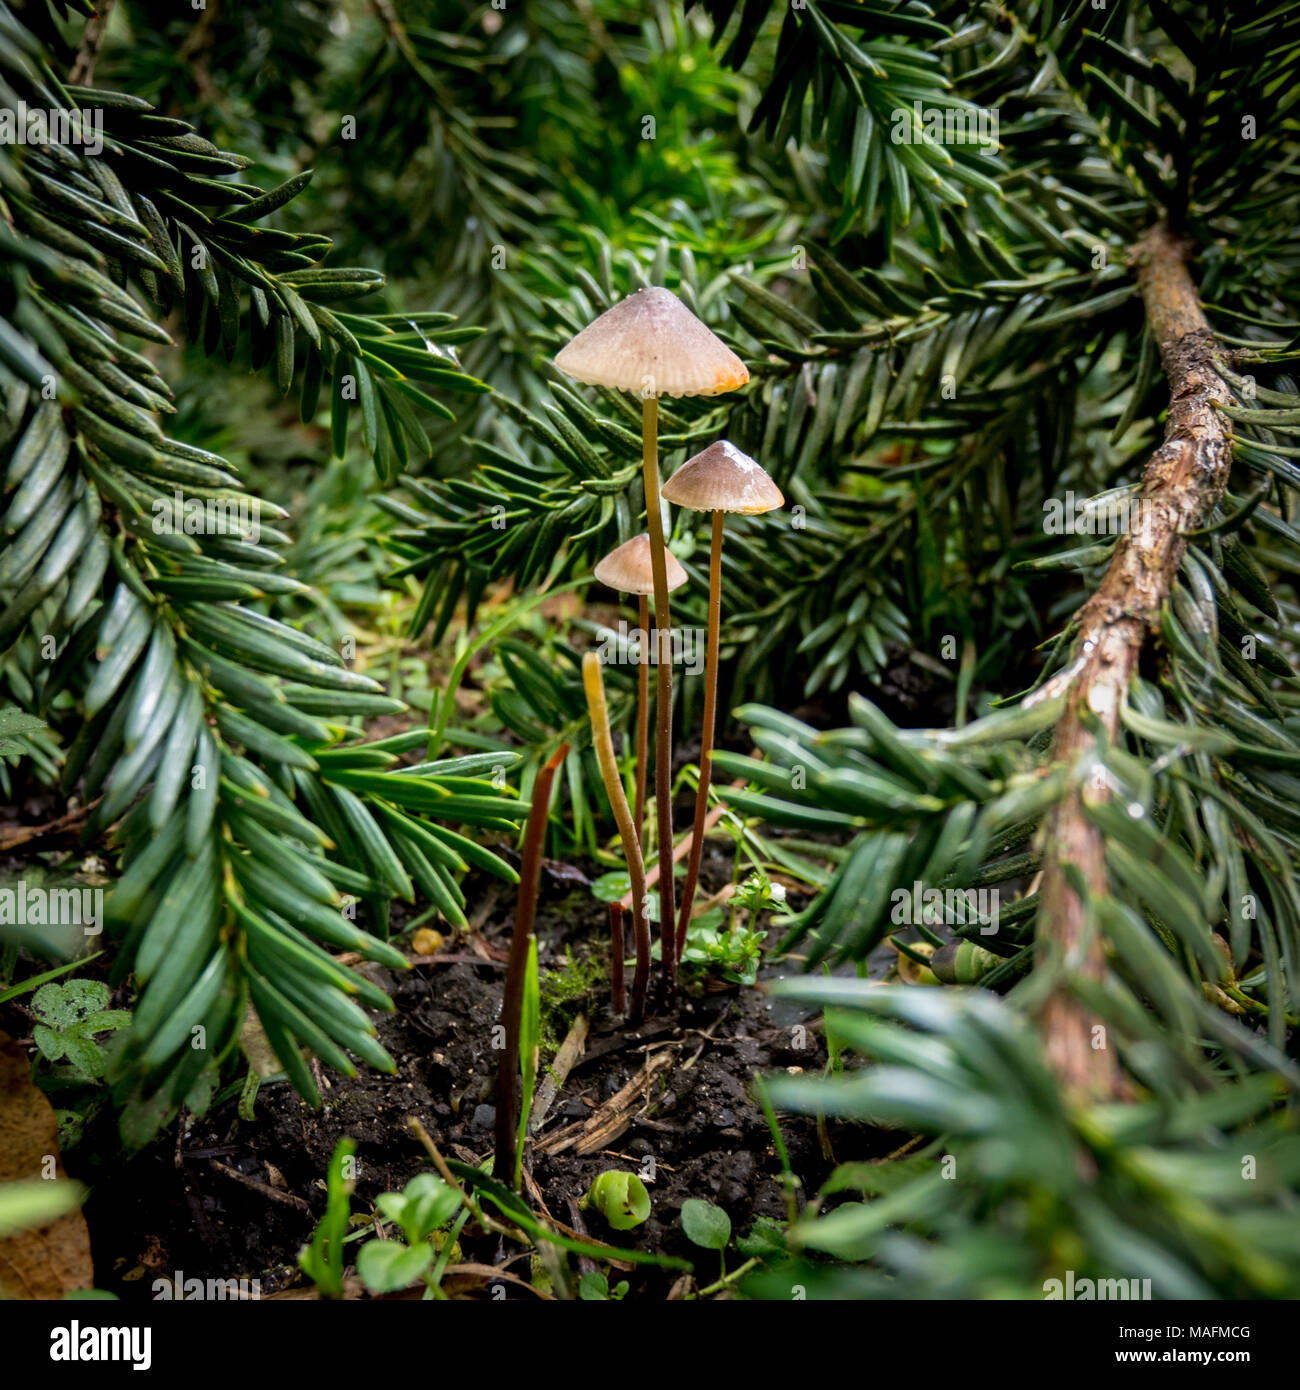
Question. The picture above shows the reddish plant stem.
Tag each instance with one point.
(642, 715)
(616, 957)
(507, 1092)
(663, 687)
(683, 846)
(706, 733)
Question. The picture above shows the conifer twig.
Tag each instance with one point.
(1184, 480)
(82, 72)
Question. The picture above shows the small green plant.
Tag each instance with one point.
(530, 1047)
(69, 1016)
(424, 1222)
(734, 954)
(707, 1226)
(421, 1211)
(594, 1287)
(758, 893)
(322, 1259)
(621, 1198)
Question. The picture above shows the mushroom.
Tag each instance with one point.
(720, 479)
(629, 570)
(593, 683)
(651, 343)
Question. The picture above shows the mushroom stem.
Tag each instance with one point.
(706, 733)
(594, 684)
(642, 712)
(663, 686)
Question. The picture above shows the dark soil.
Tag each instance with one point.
(699, 1132)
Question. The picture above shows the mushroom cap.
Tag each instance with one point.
(722, 479)
(651, 342)
(628, 568)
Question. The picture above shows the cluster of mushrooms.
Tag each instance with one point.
(651, 344)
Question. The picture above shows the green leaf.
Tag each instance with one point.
(32, 1202)
(388, 1265)
(705, 1225)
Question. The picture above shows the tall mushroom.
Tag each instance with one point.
(652, 344)
(630, 570)
(720, 479)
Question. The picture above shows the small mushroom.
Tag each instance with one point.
(652, 344)
(720, 479)
(629, 570)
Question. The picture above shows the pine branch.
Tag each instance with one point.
(1184, 481)
(235, 864)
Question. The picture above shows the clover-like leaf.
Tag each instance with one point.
(64, 1005)
(421, 1207)
(705, 1225)
(388, 1265)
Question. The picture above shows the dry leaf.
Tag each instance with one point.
(49, 1261)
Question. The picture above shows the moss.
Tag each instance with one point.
(577, 986)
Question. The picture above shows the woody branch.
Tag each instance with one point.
(1184, 480)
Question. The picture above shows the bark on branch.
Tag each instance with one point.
(1183, 481)
(82, 73)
